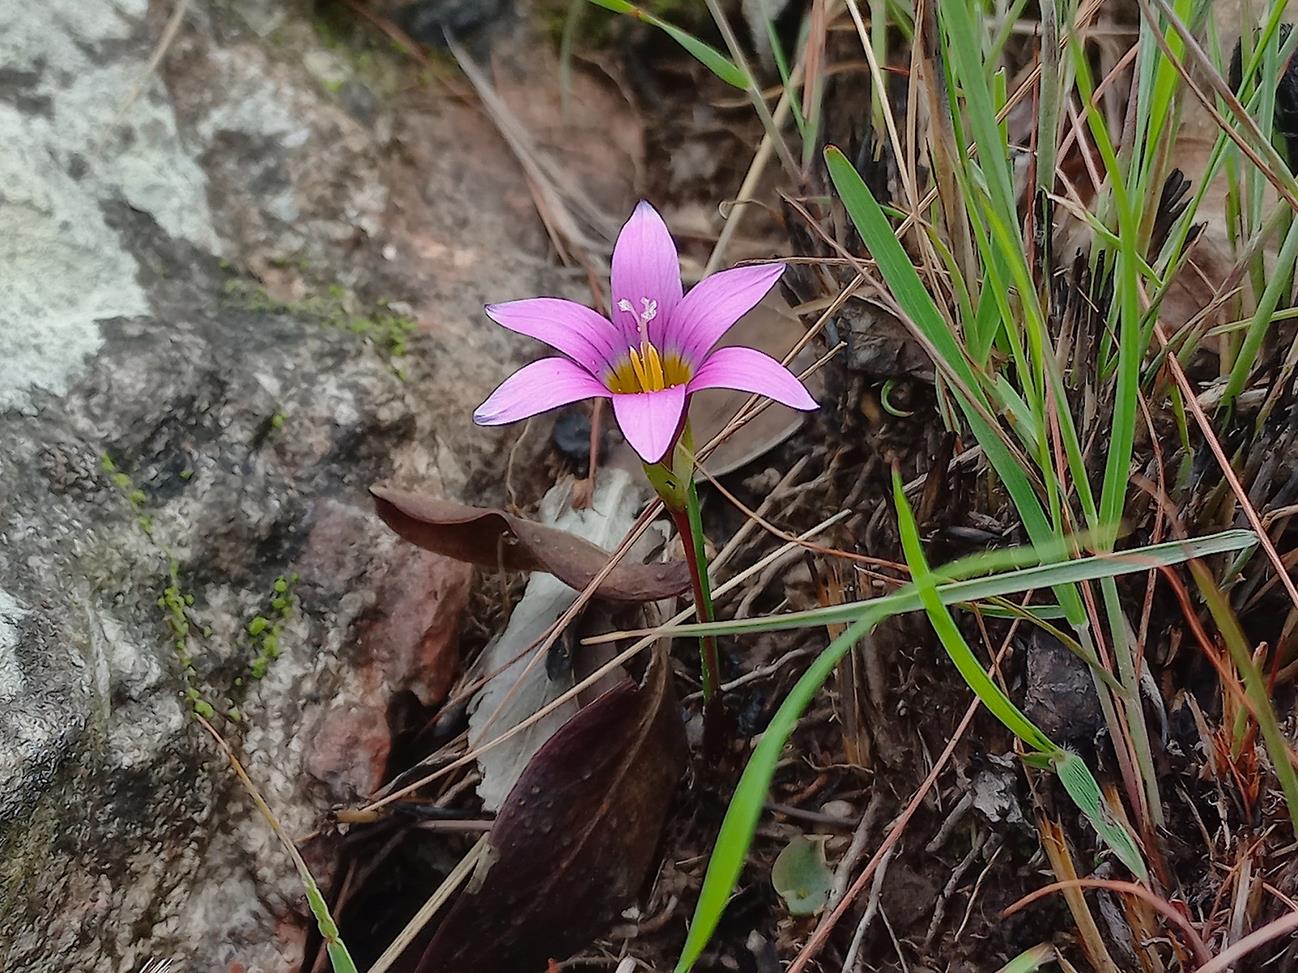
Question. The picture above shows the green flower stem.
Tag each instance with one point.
(689, 524)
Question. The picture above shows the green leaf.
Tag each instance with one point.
(1085, 792)
(1031, 960)
(705, 54)
(802, 876)
(1060, 572)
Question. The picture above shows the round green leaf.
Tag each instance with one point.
(802, 876)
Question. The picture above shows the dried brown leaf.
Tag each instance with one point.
(492, 538)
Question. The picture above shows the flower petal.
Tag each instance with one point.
(588, 338)
(645, 267)
(749, 370)
(535, 388)
(713, 305)
(650, 420)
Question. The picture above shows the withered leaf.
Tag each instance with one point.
(493, 538)
(575, 839)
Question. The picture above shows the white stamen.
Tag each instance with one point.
(625, 305)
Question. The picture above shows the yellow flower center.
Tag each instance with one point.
(649, 369)
(646, 369)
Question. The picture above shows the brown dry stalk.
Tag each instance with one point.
(1272, 930)
(1055, 844)
(1228, 471)
(1165, 908)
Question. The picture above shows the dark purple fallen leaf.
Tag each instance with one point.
(492, 538)
(576, 838)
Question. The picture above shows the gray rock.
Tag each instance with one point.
(198, 379)
(1060, 696)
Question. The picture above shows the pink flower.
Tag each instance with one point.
(657, 350)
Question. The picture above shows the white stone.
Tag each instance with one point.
(66, 154)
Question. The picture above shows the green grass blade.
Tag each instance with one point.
(782, 66)
(1031, 961)
(705, 54)
(339, 958)
(957, 17)
(1276, 288)
(1052, 88)
(972, 590)
(916, 303)
(1073, 772)
(897, 270)
(1219, 156)
(708, 56)
(1125, 319)
(948, 633)
(1255, 687)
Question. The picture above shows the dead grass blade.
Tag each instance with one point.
(338, 955)
(454, 879)
(1055, 844)
(169, 33)
(1272, 930)
(560, 200)
(1164, 908)
(1227, 470)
